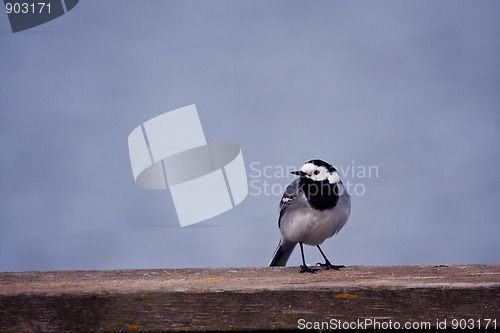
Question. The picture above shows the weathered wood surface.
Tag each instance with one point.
(247, 298)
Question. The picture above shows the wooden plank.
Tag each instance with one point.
(250, 299)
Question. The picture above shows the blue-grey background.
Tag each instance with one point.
(409, 87)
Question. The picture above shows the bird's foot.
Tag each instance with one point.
(328, 265)
(308, 269)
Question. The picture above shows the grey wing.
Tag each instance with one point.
(285, 249)
(291, 192)
(343, 208)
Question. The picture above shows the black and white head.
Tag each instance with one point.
(318, 171)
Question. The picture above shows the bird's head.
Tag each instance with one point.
(318, 171)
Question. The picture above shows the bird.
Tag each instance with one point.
(314, 207)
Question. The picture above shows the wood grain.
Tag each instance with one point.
(225, 299)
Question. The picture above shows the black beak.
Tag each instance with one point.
(298, 173)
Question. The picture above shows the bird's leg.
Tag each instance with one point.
(328, 264)
(303, 267)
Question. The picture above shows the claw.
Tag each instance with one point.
(328, 265)
(307, 269)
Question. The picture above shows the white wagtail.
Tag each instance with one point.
(313, 208)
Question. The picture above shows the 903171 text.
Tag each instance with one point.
(27, 8)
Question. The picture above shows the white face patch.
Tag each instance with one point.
(319, 173)
(308, 168)
(334, 177)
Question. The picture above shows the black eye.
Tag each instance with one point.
(316, 172)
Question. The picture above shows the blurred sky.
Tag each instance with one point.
(410, 88)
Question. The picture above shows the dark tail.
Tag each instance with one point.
(282, 253)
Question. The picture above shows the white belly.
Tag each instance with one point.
(313, 227)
